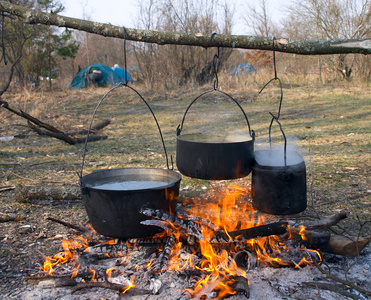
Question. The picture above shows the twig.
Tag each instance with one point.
(106, 285)
(340, 289)
(326, 222)
(69, 225)
(7, 188)
(94, 128)
(342, 281)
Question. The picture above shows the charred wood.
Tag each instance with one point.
(241, 286)
(172, 228)
(166, 254)
(277, 228)
(203, 221)
(192, 227)
(152, 241)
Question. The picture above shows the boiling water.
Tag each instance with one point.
(130, 185)
(275, 158)
(212, 138)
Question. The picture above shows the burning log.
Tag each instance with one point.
(189, 226)
(166, 254)
(245, 260)
(277, 228)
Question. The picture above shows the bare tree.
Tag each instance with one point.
(331, 20)
(258, 18)
(180, 64)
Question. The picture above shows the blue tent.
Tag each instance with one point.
(243, 69)
(121, 72)
(109, 77)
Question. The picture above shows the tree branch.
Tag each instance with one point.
(287, 45)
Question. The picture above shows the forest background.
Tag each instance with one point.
(37, 53)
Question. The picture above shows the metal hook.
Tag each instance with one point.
(215, 58)
(274, 58)
(125, 67)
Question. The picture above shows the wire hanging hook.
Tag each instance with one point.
(125, 67)
(274, 58)
(275, 78)
(215, 67)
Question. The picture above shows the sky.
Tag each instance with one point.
(123, 12)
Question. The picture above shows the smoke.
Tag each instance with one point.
(274, 156)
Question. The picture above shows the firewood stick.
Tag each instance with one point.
(94, 128)
(335, 244)
(346, 246)
(326, 222)
(27, 193)
(69, 225)
(345, 282)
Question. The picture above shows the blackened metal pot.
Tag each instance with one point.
(279, 188)
(211, 157)
(113, 198)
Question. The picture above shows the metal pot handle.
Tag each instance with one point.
(96, 108)
(284, 136)
(180, 126)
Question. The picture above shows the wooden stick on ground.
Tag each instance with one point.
(69, 225)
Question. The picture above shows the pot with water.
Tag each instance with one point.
(279, 186)
(113, 198)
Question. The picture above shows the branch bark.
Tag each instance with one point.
(287, 45)
(55, 132)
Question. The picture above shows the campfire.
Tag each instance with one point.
(212, 247)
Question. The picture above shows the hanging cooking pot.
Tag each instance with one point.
(213, 157)
(113, 197)
(279, 184)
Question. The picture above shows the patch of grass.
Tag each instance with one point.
(330, 125)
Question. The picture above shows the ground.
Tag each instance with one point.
(329, 125)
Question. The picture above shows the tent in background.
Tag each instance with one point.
(109, 77)
(122, 73)
(243, 69)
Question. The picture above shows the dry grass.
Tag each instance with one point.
(329, 124)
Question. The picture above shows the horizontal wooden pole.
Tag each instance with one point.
(286, 45)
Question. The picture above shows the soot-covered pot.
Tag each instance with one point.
(278, 186)
(213, 157)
